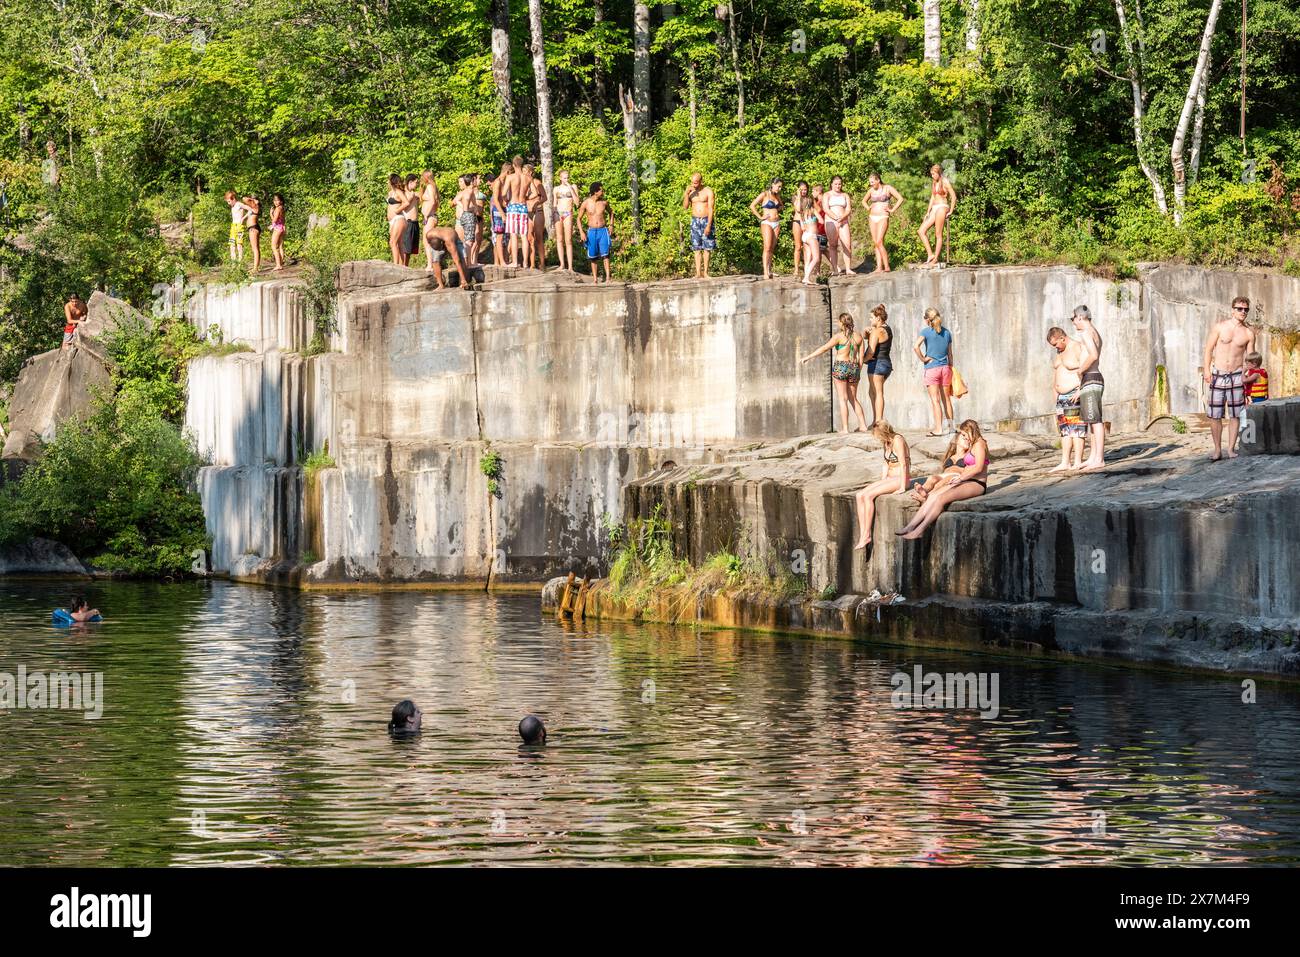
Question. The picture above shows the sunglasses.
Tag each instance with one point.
(1241, 308)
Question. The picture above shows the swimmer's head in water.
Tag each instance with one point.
(77, 603)
(406, 718)
(532, 730)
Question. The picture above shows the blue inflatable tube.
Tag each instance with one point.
(63, 617)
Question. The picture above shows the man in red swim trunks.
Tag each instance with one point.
(74, 314)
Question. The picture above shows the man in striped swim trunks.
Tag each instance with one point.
(518, 222)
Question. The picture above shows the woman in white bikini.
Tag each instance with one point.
(837, 208)
(943, 200)
(880, 201)
(766, 207)
(566, 200)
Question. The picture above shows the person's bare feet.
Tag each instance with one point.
(1231, 455)
(1216, 456)
(1093, 467)
(913, 535)
(862, 543)
(1063, 467)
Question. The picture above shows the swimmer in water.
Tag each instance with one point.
(532, 730)
(80, 611)
(406, 718)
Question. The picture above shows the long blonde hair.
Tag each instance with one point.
(885, 432)
(846, 323)
(932, 316)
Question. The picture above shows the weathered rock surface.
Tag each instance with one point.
(1274, 428)
(39, 556)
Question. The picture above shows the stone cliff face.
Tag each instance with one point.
(586, 390)
(578, 388)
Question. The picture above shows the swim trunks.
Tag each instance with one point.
(846, 371)
(598, 242)
(410, 240)
(237, 230)
(1227, 393)
(702, 236)
(469, 226)
(1090, 397)
(498, 223)
(518, 221)
(1069, 417)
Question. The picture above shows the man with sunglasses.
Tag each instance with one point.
(1224, 367)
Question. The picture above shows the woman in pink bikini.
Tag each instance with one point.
(277, 230)
(967, 477)
(880, 201)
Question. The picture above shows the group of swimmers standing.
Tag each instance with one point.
(507, 210)
(246, 229)
(821, 223)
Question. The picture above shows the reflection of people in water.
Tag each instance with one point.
(80, 611)
(406, 718)
(532, 730)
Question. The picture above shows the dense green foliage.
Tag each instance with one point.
(116, 488)
(153, 109)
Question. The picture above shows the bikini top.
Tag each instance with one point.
(853, 349)
(938, 189)
(770, 205)
(830, 200)
(393, 202)
(890, 457)
(880, 196)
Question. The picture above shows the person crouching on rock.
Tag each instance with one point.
(894, 477)
(80, 611)
(972, 455)
(442, 240)
(74, 314)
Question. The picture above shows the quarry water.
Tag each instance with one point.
(246, 725)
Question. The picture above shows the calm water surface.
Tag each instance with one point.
(246, 725)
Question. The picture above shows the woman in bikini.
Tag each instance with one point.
(766, 208)
(880, 342)
(880, 201)
(943, 200)
(254, 230)
(971, 480)
(806, 222)
(894, 478)
(837, 208)
(277, 230)
(566, 201)
(846, 370)
(396, 221)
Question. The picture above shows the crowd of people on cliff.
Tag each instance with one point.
(1232, 369)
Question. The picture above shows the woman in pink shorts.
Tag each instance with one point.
(934, 348)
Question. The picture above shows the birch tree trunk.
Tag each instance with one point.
(1198, 127)
(543, 104)
(1189, 106)
(641, 63)
(1135, 64)
(930, 9)
(692, 94)
(628, 106)
(501, 59)
(598, 76)
(735, 64)
(972, 25)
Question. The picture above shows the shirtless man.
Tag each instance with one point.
(598, 233)
(238, 212)
(443, 240)
(699, 199)
(518, 223)
(1224, 368)
(429, 201)
(74, 314)
(467, 212)
(1071, 358)
(1090, 391)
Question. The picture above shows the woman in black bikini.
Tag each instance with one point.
(769, 221)
(396, 221)
(254, 230)
(894, 477)
(846, 370)
(972, 455)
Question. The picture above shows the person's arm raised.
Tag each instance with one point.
(833, 340)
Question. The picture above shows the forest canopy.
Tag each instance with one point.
(1076, 131)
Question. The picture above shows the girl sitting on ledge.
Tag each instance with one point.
(972, 455)
(894, 477)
